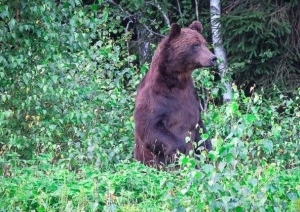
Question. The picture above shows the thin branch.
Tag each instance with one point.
(127, 41)
(114, 3)
(232, 6)
(277, 11)
(167, 20)
(152, 32)
(17, 10)
(179, 10)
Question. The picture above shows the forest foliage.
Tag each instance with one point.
(68, 76)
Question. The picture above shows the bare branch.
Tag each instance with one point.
(127, 41)
(167, 20)
(17, 10)
(152, 32)
(114, 3)
(179, 10)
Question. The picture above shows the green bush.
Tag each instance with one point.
(259, 128)
(61, 89)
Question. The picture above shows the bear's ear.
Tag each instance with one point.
(174, 31)
(196, 25)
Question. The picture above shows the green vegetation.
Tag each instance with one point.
(68, 76)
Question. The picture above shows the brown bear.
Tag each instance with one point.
(167, 110)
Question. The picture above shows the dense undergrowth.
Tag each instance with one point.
(66, 127)
(133, 187)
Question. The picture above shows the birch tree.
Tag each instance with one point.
(215, 15)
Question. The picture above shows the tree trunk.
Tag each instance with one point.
(215, 15)
(144, 49)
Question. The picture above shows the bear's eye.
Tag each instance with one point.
(196, 47)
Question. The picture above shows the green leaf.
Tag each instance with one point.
(207, 168)
(215, 92)
(54, 78)
(226, 199)
(204, 136)
(268, 145)
(250, 118)
(277, 131)
(11, 24)
(95, 7)
(184, 160)
(234, 106)
(52, 127)
(105, 16)
(222, 166)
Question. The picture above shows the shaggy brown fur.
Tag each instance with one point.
(167, 108)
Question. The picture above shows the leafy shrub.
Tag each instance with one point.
(61, 88)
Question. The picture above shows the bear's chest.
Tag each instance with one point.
(182, 114)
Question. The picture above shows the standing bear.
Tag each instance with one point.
(167, 108)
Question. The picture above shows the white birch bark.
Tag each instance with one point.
(215, 15)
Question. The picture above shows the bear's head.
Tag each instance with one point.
(187, 48)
